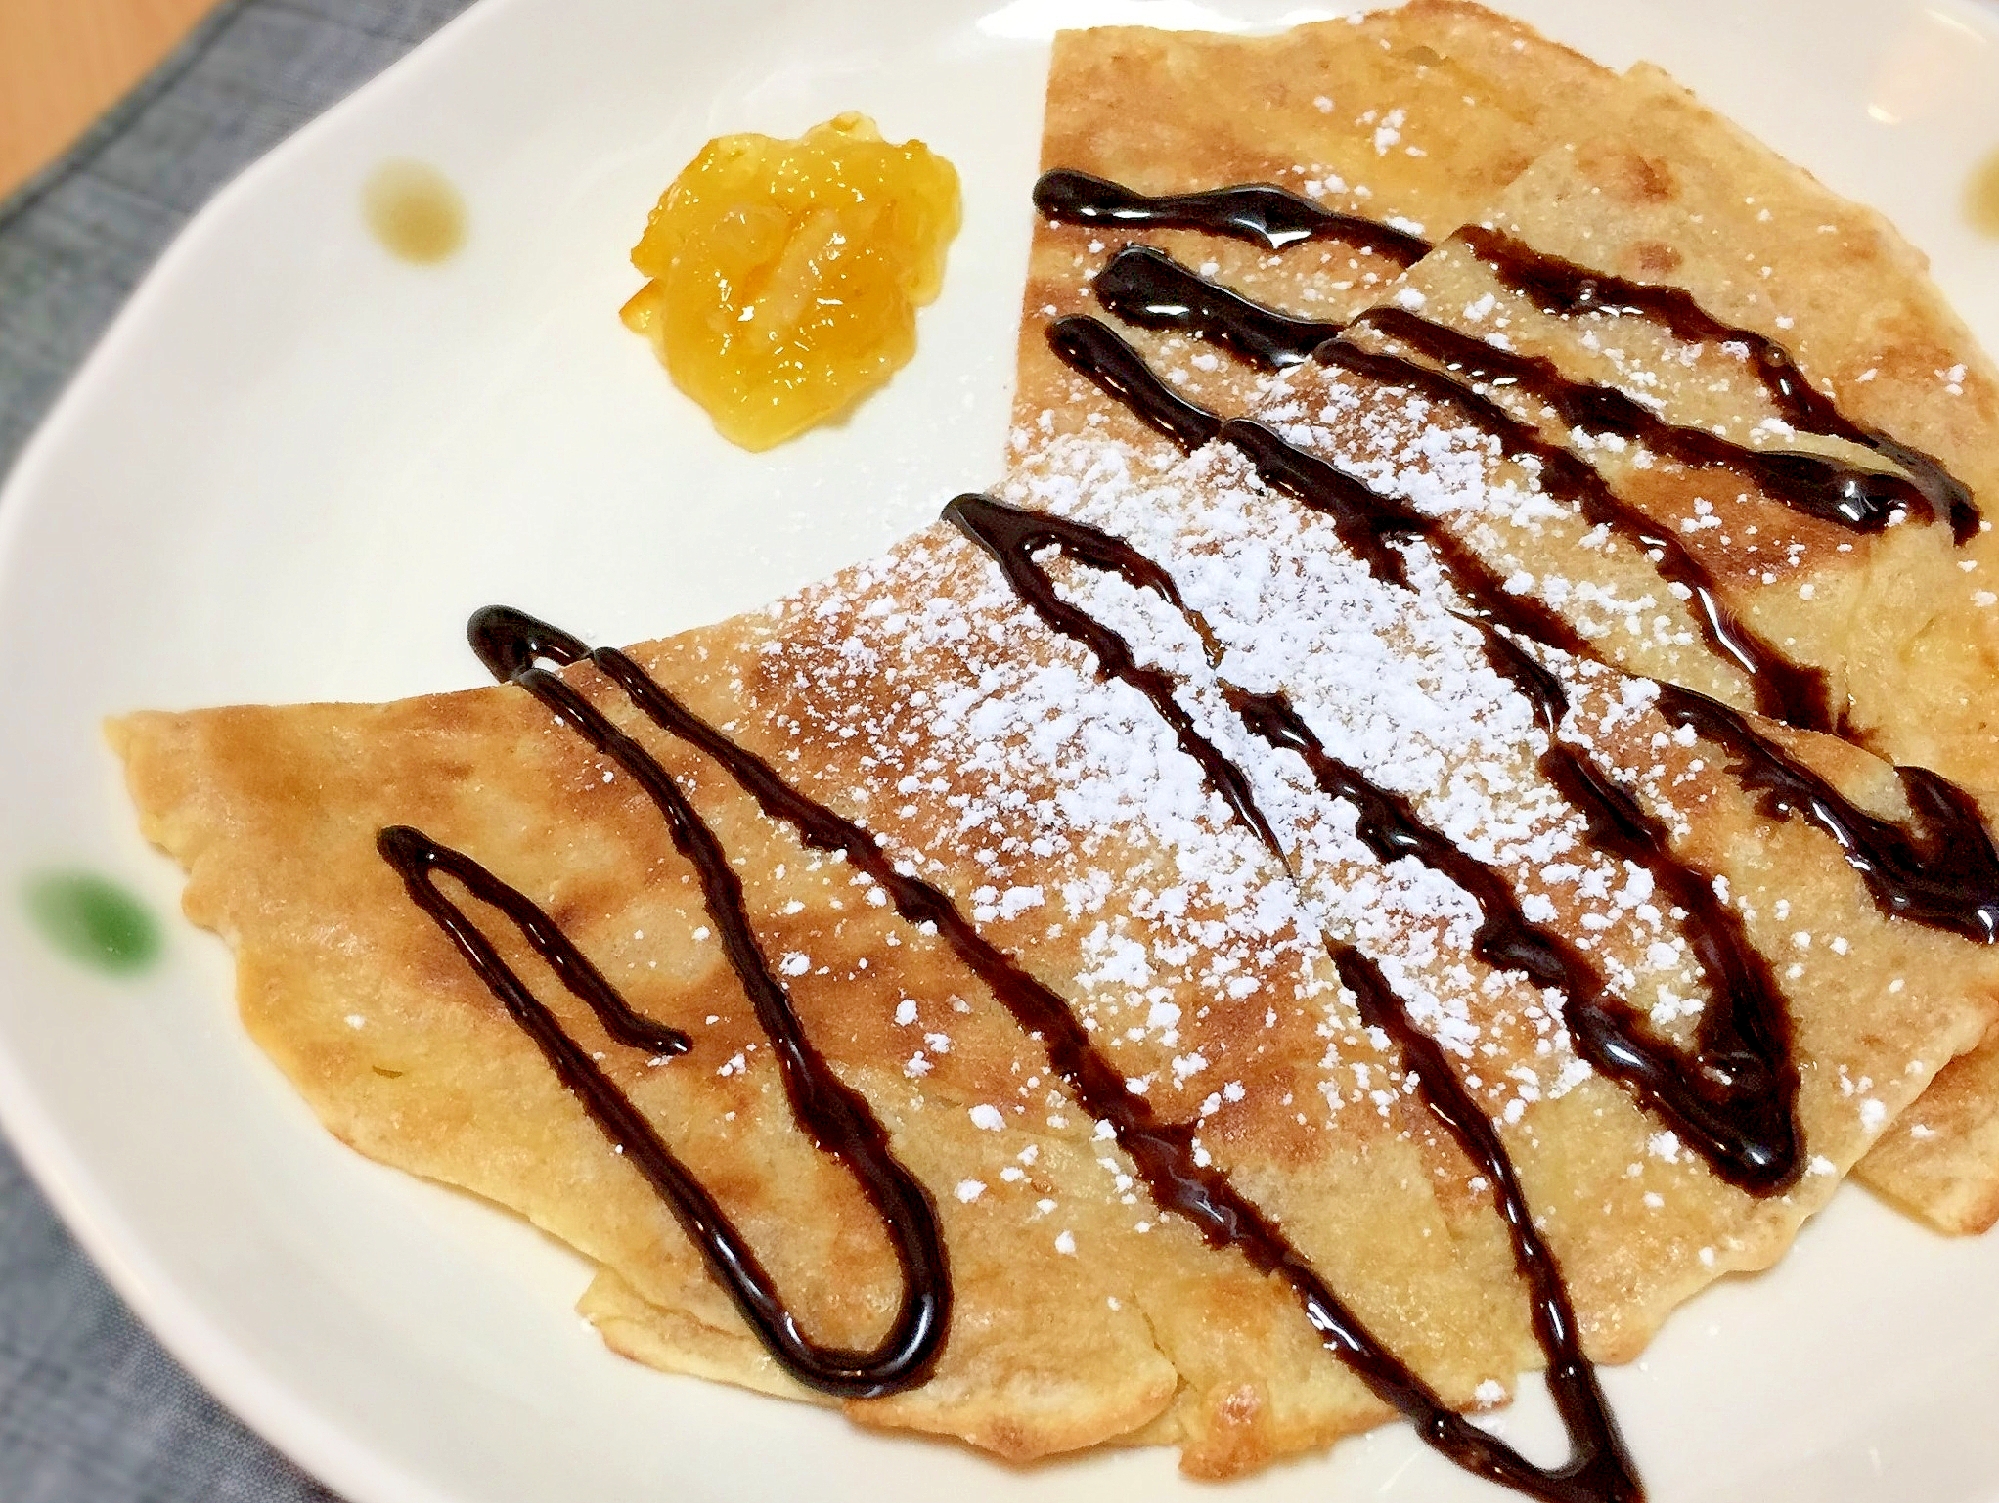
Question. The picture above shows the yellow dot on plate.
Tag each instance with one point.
(413, 209)
(1981, 199)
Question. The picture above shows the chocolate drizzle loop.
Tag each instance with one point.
(1261, 213)
(836, 1118)
(903, 1358)
(1943, 873)
(1562, 287)
(1600, 1468)
(416, 856)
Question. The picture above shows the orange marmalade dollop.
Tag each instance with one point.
(784, 276)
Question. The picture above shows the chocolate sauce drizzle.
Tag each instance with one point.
(415, 856)
(1563, 288)
(1012, 538)
(1144, 286)
(1945, 875)
(1940, 871)
(1163, 1153)
(1155, 291)
(1736, 1106)
(836, 1118)
(1095, 350)
(1846, 495)
(1794, 693)
(1149, 289)
(906, 1355)
(1369, 523)
(1261, 213)
(1599, 1468)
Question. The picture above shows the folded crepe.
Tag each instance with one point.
(1410, 119)
(1186, 883)
(979, 746)
(1899, 619)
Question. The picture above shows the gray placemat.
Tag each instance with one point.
(91, 1409)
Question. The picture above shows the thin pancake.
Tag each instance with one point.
(1904, 622)
(1416, 116)
(919, 694)
(1661, 190)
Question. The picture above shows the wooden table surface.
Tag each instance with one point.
(64, 62)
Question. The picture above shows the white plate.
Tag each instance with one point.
(296, 464)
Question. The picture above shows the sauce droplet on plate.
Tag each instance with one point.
(93, 920)
(414, 211)
(1981, 198)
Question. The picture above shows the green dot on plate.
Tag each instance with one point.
(93, 920)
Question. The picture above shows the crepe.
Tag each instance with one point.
(921, 696)
(1413, 117)
(1920, 649)
(930, 661)
(1903, 622)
